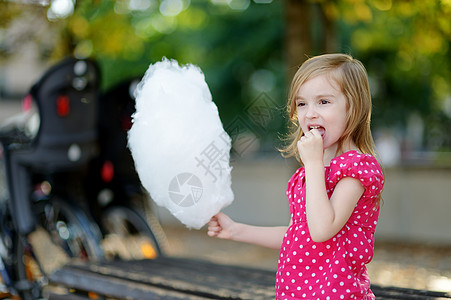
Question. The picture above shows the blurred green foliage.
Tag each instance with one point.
(232, 47)
(240, 46)
(405, 46)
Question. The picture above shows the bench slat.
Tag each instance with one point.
(108, 286)
(179, 278)
(190, 277)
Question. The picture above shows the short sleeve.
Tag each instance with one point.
(294, 179)
(363, 167)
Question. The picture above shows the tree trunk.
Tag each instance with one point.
(298, 39)
(300, 17)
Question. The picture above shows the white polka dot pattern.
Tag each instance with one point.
(334, 269)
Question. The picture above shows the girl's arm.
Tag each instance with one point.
(325, 217)
(222, 226)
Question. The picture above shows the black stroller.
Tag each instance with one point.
(43, 172)
(74, 179)
(117, 199)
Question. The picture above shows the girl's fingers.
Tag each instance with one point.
(214, 230)
(314, 132)
(213, 227)
(213, 221)
(212, 233)
(310, 134)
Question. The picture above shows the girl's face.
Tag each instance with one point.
(321, 105)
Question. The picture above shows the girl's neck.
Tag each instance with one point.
(332, 152)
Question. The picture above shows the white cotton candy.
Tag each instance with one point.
(179, 146)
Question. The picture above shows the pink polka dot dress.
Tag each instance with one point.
(334, 269)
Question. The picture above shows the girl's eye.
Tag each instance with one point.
(322, 101)
(299, 104)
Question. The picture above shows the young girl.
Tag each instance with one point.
(334, 198)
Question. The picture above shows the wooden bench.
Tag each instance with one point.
(177, 278)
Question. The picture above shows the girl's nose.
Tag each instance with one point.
(311, 112)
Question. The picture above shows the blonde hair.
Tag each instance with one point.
(350, 75)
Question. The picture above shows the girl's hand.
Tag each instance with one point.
(310, 147)
(220, 226)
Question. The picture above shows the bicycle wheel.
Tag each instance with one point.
(17, 258)
(29, 277)
(16, 280)
(3, 180)
(128, 236)
(143, 204)
(71, 229)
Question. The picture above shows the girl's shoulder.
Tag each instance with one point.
(357, 159)
(363, 167)
(294, 178)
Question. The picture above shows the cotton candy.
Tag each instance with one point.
(178, 143)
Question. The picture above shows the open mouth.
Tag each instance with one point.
(320, 129)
